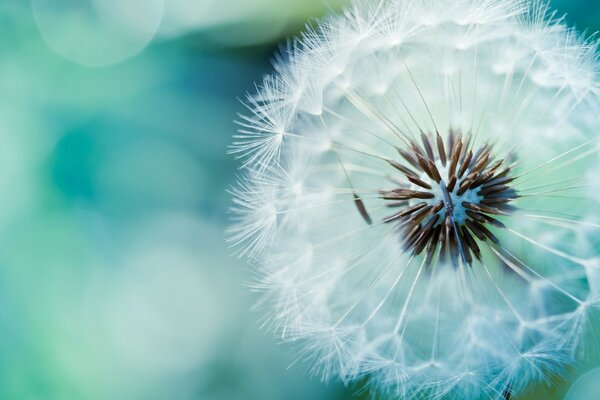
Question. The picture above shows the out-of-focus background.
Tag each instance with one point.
(115, 279)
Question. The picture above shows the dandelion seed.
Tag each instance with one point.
(419, 196)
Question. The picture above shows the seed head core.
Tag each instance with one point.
(455, 192)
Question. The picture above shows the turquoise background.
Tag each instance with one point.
(115, 279)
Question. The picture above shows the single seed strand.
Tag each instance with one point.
(427, 146)
(401, 168)
(418, 182)
(441, 150)
(405, 212)
(465, 164)
(362, 209)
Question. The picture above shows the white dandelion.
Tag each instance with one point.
(420, 196)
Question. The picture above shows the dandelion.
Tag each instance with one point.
(420, 199)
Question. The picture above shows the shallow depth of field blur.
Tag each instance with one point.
(115, 279)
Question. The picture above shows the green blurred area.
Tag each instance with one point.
(115, 278)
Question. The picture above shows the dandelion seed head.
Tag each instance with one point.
(419, 196)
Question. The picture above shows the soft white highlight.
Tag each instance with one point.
(344, 98)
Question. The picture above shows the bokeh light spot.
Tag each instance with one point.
(586, 387)
(97, 33)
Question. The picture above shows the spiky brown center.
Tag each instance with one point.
(454, 194)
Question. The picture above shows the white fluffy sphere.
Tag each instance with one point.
(417, 195)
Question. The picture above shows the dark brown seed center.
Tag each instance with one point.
(453, 195)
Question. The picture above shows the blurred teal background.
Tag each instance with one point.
(115, 279)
